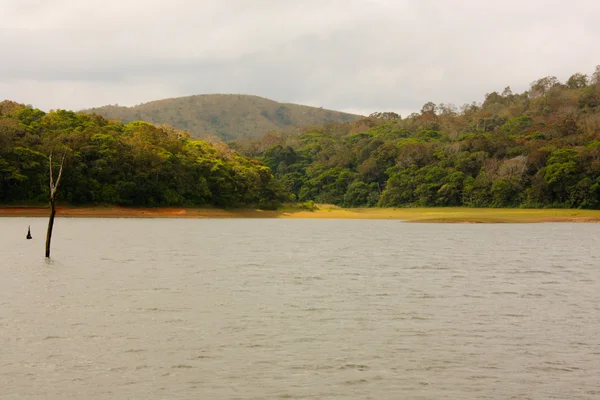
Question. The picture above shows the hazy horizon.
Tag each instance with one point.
(357, 56)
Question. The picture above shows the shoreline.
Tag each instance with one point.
(431, 215)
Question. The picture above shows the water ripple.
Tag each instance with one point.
(300, 309)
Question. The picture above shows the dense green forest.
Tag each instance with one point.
(540, 148)
(135, 164)
(227, 116)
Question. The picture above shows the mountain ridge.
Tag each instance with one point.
(228, 116)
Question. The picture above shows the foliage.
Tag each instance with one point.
(540, 148)
(308, 205)
(134, 164)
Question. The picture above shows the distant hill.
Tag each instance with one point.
(228, 116)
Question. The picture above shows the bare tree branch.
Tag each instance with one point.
(53, 187)
(62, 162)
(51, 178)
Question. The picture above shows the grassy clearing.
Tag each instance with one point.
(488, 215)
(451, 214)
(324, 211)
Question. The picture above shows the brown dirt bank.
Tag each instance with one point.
(445, 215)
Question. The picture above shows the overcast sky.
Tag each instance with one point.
(352, 55)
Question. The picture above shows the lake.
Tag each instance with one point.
(299, 309)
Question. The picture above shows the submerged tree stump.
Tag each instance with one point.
(53, 187)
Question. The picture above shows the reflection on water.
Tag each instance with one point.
(323, 309)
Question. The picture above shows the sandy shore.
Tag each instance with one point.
(464, 215)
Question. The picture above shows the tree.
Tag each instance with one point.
(361, 194)
(577, 81)
(596, 75)
(387, 115)
(429, 108)
(448, 109)
(507, 92)
(53, 187)
(541, 86)
(561, 172)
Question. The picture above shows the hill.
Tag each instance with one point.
(228, 116)
(536, 149)
(137, 164)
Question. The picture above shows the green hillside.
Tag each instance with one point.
(133, 164)
(540, 148)
(228, 116)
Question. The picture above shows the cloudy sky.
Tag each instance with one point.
(353, 55)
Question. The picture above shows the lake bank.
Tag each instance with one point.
(447, 215)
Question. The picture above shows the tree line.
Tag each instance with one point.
(134, 164)
(539, 148)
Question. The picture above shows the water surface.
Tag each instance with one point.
(299, 309)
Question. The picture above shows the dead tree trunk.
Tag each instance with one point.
(53, 187)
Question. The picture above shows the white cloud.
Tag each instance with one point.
(375, 55)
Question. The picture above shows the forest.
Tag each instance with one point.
(536, 149)
(134, 164)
